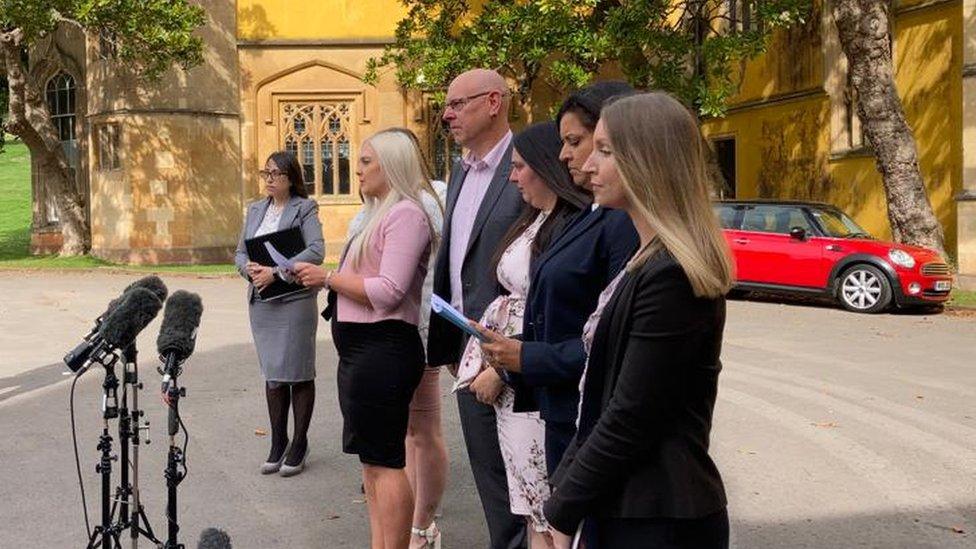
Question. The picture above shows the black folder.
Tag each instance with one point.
(290, 243)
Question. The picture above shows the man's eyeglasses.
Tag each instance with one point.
(457, 105)
(270, 174)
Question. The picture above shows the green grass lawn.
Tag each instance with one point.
(15, 201)
(963, 299)
(15, 222)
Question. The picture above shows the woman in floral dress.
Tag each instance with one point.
(552, 202)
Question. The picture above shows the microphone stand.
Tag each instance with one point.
(175, 457)
(105, 533)
(130, 432)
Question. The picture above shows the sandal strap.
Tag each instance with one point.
(429, 533)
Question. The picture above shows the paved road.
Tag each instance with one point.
(831, 429)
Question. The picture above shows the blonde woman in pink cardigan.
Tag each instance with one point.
(374, 305)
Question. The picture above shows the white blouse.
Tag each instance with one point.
(271, 218)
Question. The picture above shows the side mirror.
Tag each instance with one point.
(798, 233)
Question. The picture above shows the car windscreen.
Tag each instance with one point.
(836, 224)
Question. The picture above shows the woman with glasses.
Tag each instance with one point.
(284, 328)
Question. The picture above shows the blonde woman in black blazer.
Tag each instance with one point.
(638, 473)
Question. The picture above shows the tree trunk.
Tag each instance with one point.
(29, 119)
(864, 30)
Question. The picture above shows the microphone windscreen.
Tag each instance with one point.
(212, 538)
(181, 318)
(152, 283)
(111, 307)
(133, 313)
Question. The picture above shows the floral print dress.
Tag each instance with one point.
(589, 331)
(520, 435)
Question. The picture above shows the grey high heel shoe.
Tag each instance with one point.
(292, 470)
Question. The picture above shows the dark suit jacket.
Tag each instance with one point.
(299, 212)
(642, 446)
(500, 208)
(566, 282)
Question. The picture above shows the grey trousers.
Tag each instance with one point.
(478, 424)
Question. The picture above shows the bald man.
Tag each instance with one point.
(481, 206)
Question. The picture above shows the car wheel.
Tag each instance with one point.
(864, 289)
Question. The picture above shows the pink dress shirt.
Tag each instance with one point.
(473, 188)
(393, 265)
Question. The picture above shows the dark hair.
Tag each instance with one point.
(288, 163)
(539, 146)
(587, 102)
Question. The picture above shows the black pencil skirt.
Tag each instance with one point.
(380, 366)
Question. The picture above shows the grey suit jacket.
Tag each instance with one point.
(299, 212)
(500, 208)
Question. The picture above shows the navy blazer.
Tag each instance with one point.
(566, 283)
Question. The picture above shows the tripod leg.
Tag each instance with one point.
(172, 480)
(94, 541)
(105, 469)
(148, 531)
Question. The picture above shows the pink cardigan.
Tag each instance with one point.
(394, 266)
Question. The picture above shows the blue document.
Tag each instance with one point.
(452, 315)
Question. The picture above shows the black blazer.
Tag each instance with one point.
(499, 209)
(566, 282)
(642, 446)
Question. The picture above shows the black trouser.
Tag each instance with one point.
(480, 429)
(709, 532)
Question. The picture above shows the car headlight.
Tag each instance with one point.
(901, 258)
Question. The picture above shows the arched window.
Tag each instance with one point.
(60, 95)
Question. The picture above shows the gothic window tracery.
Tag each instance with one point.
(319, 134)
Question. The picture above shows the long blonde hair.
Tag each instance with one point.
(660, 155)
(403, 167)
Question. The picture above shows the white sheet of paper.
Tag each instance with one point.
(279, 259)
(578, 538)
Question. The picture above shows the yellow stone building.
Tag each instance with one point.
(170, 166)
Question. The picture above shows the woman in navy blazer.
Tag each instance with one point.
(546, 365)
(284, 328)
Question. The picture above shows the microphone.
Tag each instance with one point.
(177, 338)
(213, 538)
(135, 310)
(152, 283)
(178, 334)
(77, 357)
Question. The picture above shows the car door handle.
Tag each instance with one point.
(741, 241)
(833, 248)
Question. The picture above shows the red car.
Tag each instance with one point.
(816, 249)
